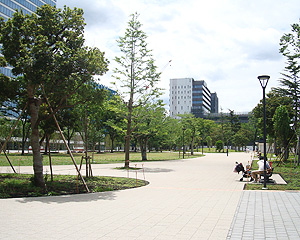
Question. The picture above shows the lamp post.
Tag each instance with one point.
(263, 82)
(183, 129)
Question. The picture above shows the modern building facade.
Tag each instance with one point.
(8, 7)
(214, 103)
(190, 96)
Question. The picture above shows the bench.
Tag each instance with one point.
(268, 177)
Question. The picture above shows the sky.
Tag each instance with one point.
(227, 43)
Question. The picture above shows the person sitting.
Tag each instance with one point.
(257, 173)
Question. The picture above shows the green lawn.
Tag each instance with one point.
(20, 185)
(65, 159)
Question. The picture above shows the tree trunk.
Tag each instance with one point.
(127, 144)
(23, 137)
(112, 145)
(34, 105)
(128, 133)
(192, 146)
(143, 145)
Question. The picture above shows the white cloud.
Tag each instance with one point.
(227, 43)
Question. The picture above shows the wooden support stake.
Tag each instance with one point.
(9, 161)
(50, 161)
(8, 137)
(65, 142)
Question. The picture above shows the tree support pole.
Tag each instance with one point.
(9, 161)
(65, 142)
(8, 137)
(50, 161)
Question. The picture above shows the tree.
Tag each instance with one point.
(241, 138)
(148, 124)
(290, 82)
(113, 121)
(274, 99)
(137, 73)
(209, 141)
(47, 48)
(282, 128)
(172, 132)
(191, 124)
(219, 145)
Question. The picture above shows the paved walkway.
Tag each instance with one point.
(187, 199)
(267, 215)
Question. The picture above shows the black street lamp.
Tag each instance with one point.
(263, 82)
(183, 129)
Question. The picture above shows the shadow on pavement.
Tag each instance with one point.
(84, 197)
(157, 170)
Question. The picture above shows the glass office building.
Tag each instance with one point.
(8, 7)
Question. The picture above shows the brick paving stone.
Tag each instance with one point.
(186, 199)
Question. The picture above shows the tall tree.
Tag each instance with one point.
(47, 48)
(137, 74)
(273, 101)
(282, 128)
(290, 48)
(192, 125)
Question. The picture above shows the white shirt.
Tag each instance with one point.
(260, 164)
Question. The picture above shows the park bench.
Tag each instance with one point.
(268, 176)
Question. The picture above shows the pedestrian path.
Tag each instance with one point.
(267, 215)
(197, 198)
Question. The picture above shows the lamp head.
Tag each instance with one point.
(263, 79)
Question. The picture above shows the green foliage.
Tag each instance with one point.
(290, 82)
(137, 74)
(219, 145)
(273, 100)
(282, 128)
(241, 138)
(47, 48)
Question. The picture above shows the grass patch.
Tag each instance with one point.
(287, 171)
(102, 158)
(20, 185)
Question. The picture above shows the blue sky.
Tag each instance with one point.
(227, 43)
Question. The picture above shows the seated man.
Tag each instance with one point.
(260, 170)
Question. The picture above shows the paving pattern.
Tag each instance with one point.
(267, 215)
(197, 198)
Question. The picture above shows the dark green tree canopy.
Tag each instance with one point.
(47, 49)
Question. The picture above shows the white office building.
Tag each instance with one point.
(189, 96)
